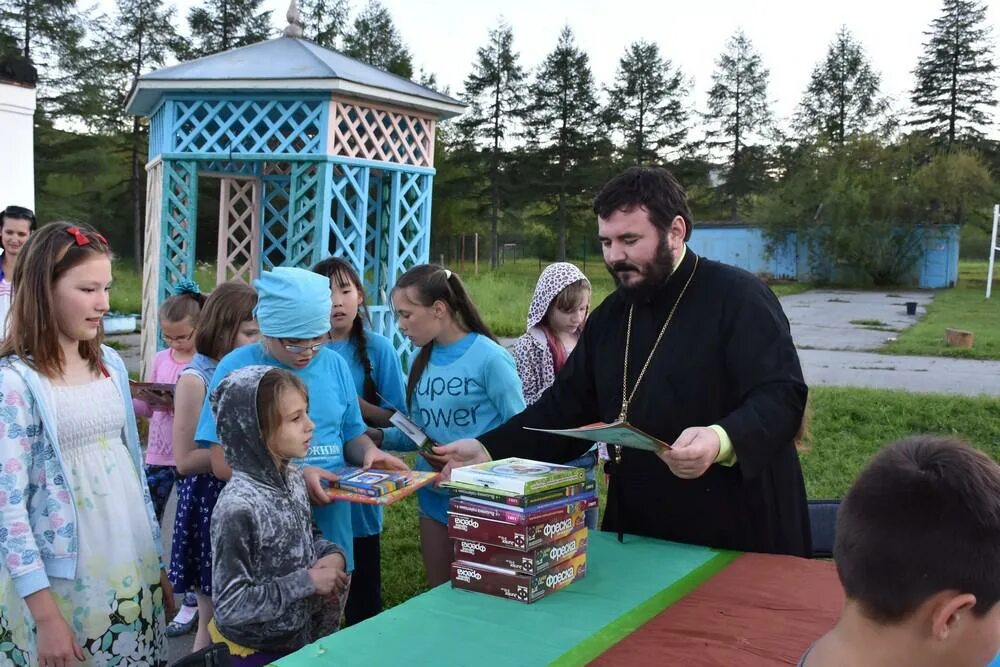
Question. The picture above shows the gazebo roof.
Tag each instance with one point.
(287, 64)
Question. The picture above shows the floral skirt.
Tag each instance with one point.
(115, 605)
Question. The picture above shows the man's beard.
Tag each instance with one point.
(654, 274)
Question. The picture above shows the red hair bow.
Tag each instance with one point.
(81, 238)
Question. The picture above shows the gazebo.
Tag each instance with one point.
(316, 154)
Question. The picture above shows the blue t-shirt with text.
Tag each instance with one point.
(468, 388)
(388, 377)
(333, 408)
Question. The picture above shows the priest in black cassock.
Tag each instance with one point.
(694, 352)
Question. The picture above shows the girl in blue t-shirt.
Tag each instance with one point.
(378, 380)
(462, 384)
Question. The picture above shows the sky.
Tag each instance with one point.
(792, 36)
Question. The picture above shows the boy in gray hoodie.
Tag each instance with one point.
(272, 577)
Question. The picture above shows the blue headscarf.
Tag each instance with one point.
(293, 303)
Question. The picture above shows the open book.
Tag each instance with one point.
(618, 433)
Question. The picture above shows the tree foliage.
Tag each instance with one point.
(646, 104)
(374, 39)
(220, 25)
(955, 77)
(843, 95)
(562, 134)
(324, 21)
(738, 113)
(496, 95)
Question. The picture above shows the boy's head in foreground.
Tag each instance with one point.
(918, 553)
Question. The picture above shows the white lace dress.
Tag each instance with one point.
(115, 606)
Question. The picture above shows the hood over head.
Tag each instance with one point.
(554, 279)
(234, 405)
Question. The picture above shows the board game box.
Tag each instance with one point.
(369, 482)
(522, 476)
(498, 512)
(525, 588)
(514, 535)
(518, 500)
(535, 561)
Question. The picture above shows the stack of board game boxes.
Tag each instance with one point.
(519, 527)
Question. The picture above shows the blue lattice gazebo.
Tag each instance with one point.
(316, 154)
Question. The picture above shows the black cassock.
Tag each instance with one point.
(727, 358)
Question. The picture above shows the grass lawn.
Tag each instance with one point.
(846, 428)
(962, 307)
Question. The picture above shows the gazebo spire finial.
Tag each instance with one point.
(294, 27)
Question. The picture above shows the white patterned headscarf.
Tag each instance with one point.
(554, 279)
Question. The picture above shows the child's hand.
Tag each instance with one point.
(314, 484)
(56, 642)
(332, 560)
(376, 458)
(328, 579)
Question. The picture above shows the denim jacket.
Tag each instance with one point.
(38, 516)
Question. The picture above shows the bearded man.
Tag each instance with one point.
(694, 352)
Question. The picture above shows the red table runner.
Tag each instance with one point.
(761, 610)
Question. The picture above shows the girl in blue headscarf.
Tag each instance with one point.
(293, 311)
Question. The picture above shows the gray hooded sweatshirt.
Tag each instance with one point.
(262, 538)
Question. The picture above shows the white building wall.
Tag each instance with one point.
(17, 150)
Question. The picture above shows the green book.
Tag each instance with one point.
(519, 476)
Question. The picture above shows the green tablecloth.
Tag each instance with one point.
(626, 585)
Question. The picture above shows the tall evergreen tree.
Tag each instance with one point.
(955, 76)
(843, 94)
(324, 21)
(738, 111)
(50, 34)
(562, 131)
(220, 25)
(646, 104)
(496, 95)
(373, 39)
(139, 37)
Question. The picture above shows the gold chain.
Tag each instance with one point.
(627, 397)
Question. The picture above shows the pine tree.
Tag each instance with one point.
(737, 112)
(843, 94)
(50, 34)
(562, 130)
(496, 94)
(373, 39)
(220, 25)
(324, 21)
(955, 75)
(646, 104)
(139, 37)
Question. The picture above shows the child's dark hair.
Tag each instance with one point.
(571, 296)
(33, 324)
(272, 385)
(230, 305)
(922, 517)
(432, 282)
(185, 304)
(344, 275)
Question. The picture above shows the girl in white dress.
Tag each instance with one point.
(82, 578)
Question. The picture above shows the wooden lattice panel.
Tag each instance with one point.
(151, 267)
(178, 222)
(239, 230)
(277, 195)
(224, 126)
(305, 215)
(380, 133)
(348, 213)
